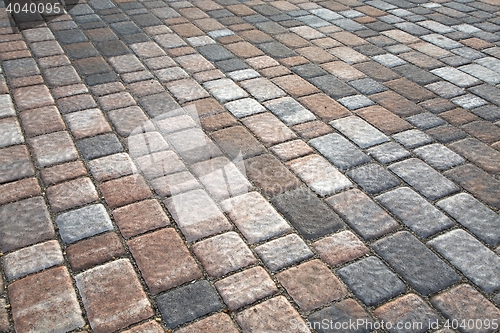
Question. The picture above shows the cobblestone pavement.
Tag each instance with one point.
(251, 166)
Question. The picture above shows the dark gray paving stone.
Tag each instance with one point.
(418, 265)
(414, 211)
(93, 80)
(472, 214)
(309, 71)
(332, 86)
(412, 28)
(373, 178)
(446, 133)
(266, 10)
(369, 50)
(416, 74)
(257, 18)
(307, 213)
(146, 20)
(388, 152)
(473, 259)
(426, 120)
(231, 65)
(61, 76)
(98, 146)
(125, 28)
(112, 48)
(424, 179)
(362, 214)
(135, 38)
(488, 112)
(20, 67)
(277, 50)
(488, 92)
(215, 52)
(367, 86)
(161, 104)
(372, 281)
(81, 50)
(339, 151)
(220, 13)
(70, 36)
(187, 303)
(344, 312)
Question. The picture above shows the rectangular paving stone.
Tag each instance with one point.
(340, 248)
(344, 312)
(237, 142)
(482, 73)
(225, 90)
(478, 153)
(333, 86)
(94, 251)
(289, 111)
(53, 148)
(193, 145)
(219, 322)
(282, 252)
(6, 106)
(15, 163)
(488, 92)
(383, 119)
(373, 178)
(472, 214)
(339, 151)
(410, 258)
(397, 104)
(456, 76)
(268, 128)
(423, 178)
(439, 156)
(472, 258)
(262, 89)
(359, 131)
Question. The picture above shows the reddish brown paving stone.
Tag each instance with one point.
(45, 302)
(483, 130)
(32, 97)
(294, 61)
(268, 128)
(237, 140)
(410, 89)
(15, 163)
(324, 107)
(244, 49)
(383, 119)
(125, 190)
(218, 121)
(63, 172)
(397, 104)
(312, 129)
(18, 190)
(459, 116)
(71, 194)
(41, 121)
(275, 71)
(148, 327)
(94, 251)
(340, 248)
(216, 323)
(76, 103)
(295, 85)
(4, 316)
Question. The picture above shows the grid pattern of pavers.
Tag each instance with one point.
(251, 166)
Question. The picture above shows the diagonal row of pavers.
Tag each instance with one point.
(251, 166)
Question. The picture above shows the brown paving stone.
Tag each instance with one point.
(208, 24)
(371, 11)
(476, 43)
(15, 163)
(208, 75)
(340, 248)
(410, 90)
(244, 50)
(421, 60)
(241, 10)
(148, 327)
(312, 129)
(290, 150)
(458, 116)
(271, 72)
(268, 128)
(71, 90)
(4, 316)
(26, 81)
(145, 88)
(126, 190)
(63, 172)
(292, 40)
(294, 61)
(113, 296)
(45, 302)
(237, 140)
(180, 51)
(87, 123)
(376, 71)
(255, 36)
(71, 194)
(383, 119)
(437, 105)
(295, 85)
(229, 39)
(261, 62)
(75, 103)
(41, 121)
(94, 251)
(15, 55)
(483, 130)
(324, 107)
(343, 71)
(116, 101)
(32, 97)
(140, 217)
(312, 285)
(128, 119)
(18, 190)
(13, 46)
(478, 153)
(187, 30)
(194, 63)
(316, 54)
(53, 61)
(163, 251)
(396, 103)
(219, 322)
(218, 121)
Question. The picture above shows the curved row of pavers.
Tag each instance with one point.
(210, 183)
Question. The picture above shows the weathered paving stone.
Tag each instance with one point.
(244, 107)
(478, 153)
(82, 223)
(359, 131)
(129, 303)
(424, 179)
(426, 120)
(412, 138)
(488, 92)
(98, 146)
(339, 151)
(456, 76)
(53, 148)
(94, 251)
(439, 156)
(148, 327)
(256, 219)
(71, 194)
(10, 132)
(45, 302)
(225, 90)
(373, 178)
(307, 213)
(409, 310)
(15, 163)
(160, 251)
(283, 252)
(160, 164)
(472, 258)
(362, 214)
(25, 222)
(187, 303)
(289, 111)
(161, 104)
(340, 248)
(333, 87)
(140, 217)
(32, 259)
(219, 322)
(268, 128)
(275, 314)
(371, 281)
(311, 285)
(472, 214)
(125, 190)
(388, 152)
(451, 304)
(409, 257)
(344, 313)
(414, 211)
(193, 145)
(112, 167)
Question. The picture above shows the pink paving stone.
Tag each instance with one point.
(164, 260)
(140, 217)
(224, 253)
(291, 149)
(87, 123)
(268, 128)
(148, 327)
(246, 287)
(340, 248)
(32, 97)
(20, 189)
(71, 194)
(217, 323)
(312, 285)
(113, 296)
(94, 251)
(45, 302)
(125, 190)
(274, 315)
(63, 172)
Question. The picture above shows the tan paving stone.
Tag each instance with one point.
(140, 217)
(94, 251)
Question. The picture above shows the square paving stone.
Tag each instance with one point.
(359, 131)
(225, 90)
(332, 86)
(244, 107)
(45, 302)
(373, 178)
(98, 146)
(188, 303)
(262, 89)
(140, 217)
(87, 123)
(308, 71)
(283, 252)
(307, 213)
(10, 132)
(15, 163)
(61, 76)
(20, 68)
(125, 190)
(344, 313)
(54, 148)
(412, 138)
(439, 156)
(289, 111)
(128, 305)
(372, 281)
(193, 145)
(160, 104)
(237, 142)
(340, 248)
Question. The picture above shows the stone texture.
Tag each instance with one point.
(340, 248)
(54, 148)
(94, 251)
(219, 322)
(344, 312)
(125, 190)
(283, 252)
(373, 178)
(71, 194)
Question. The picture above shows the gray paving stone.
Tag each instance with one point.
(414, 211)
(344, 312)
(283, 252)
(98, 146)
(416, 74)
(10, 132)
(262, 89)
(441, 41)
(372, 281)
(225, 90)
(469, 101)
(488, 112)
(332, 86)
(412, 28)
(389, 60)
(468, 53)
(373, 178)
(439, 156)
(388, 152)
(326, 14)
(426, 120)
(348, 24)
(359, 131)
(355, 102)
(162, 104)
(362, 214)
(231, 65)
(243, 74)
(277, 50)
(53, 148)
(488, 92)
(244, 107)
(169, 41)
(215, 52)
(82, 223)
(472, 214)
(187, 303)
(20, 67)
(6, 106)
(490, 62)
(473, 259)
(367, 86)
(412, 138)
(307, 213)
(456, 76)
(339, 151)
(289, 111)
(313, 21)
(445, 89)
(193, 145)
(418, 265)
(309, 71)
(424, 179)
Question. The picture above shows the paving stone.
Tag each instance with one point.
(469, 101)
(244, 107)
(146, 143)
(483, 130)
(283, 252)
(20, 67)
(439, 156)
(71, 194)
(446, 133)
(161, 104)
(340, 248)
(87, 123)
(160, 164)
(410, 312)
(129, 303)
(188, 303)
(10, 132)
(371, 281)
(99, 146)
(451, 304)
(193, 145)
(412, 138)
(367, 86)
(275, 314)
(373, 178)
(455, 76)
(360, 132)
(396, 103)
(7, 107)
(333, 86)
(63, 172)
(175, 184)
(289, 111)
(291, 150)
(425, 120)
(262, 89)
(254, 217)
(388, 152)
(383, 120)
(344, 156)
(356, 102)
(140, 217)
(147, 327)
(219, 322)
(225, 90)
(94, 251)
(445, 89)
(344, 313)
(196, 214)
(237, 142)
(54, 148)
(269, 129)
(41, 121)
(45, 302)
(478, 153)
(488, 112)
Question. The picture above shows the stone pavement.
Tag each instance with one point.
(251, 166)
